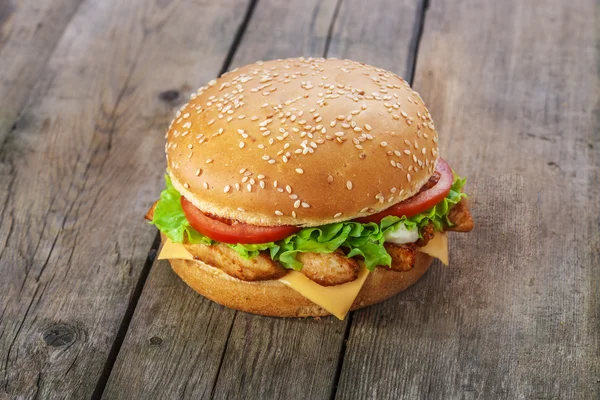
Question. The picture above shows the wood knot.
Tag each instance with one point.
(155, 341)
(169, 96)
(59, 335)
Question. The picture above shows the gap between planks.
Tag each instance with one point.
(411, 67)
(152, 252)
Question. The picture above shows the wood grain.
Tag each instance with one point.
(77, 176)
(249, 342)
(513, 87)
(272, 358)
(29, 32)
(383, 33)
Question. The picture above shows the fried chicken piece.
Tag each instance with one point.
(328, 269)
(460, 216)
(426, 235)
(433, 180)
(403, 256)
(259, 268)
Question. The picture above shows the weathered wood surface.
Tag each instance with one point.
(76, 176)
(29, 32)
(516, 315)
(384, 33)
(246, 355)
(513, 87)
(262, 357)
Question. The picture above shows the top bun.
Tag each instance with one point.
(301, 142)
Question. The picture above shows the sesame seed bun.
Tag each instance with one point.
(273, 298)
(301, 142)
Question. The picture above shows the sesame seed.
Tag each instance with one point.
(277, 212)
(297, 203)
(337, 215)
(349, 185)
(300, 171)
(212, 121)
(209, 160)
(305, 205)
(383, 144)
(408, 177)
(368, 127)
(205, 185)
(288, 188)
(242, 144)
(249, 187)
(198, 172)
(227, 189)
(185, 185)
(294, 214)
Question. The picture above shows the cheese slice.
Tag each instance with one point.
(172, 250)
(437, 247)
(335, 299)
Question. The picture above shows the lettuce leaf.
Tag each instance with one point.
(170, 219)
(365, 240)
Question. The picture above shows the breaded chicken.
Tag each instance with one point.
(460, 216)
(403, 256)
(328, 269)
(427, 233)
(259, 268)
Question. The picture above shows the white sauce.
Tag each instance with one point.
(401, 235)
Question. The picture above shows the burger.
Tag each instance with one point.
(305, 187)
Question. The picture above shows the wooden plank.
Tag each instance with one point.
(383, 33)
(29, 31)
(270, 344)
(271, 358)
(78, 174)
(512, 86)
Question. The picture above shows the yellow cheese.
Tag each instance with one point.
(437, 247)
(174, 251)
(335, 299)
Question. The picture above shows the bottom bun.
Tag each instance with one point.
(273, 298)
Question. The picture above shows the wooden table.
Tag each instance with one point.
(87, 89)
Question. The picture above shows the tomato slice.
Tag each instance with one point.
(230, 231)
(423, 200)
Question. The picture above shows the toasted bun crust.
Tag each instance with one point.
(301, 142)
(275, 299)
